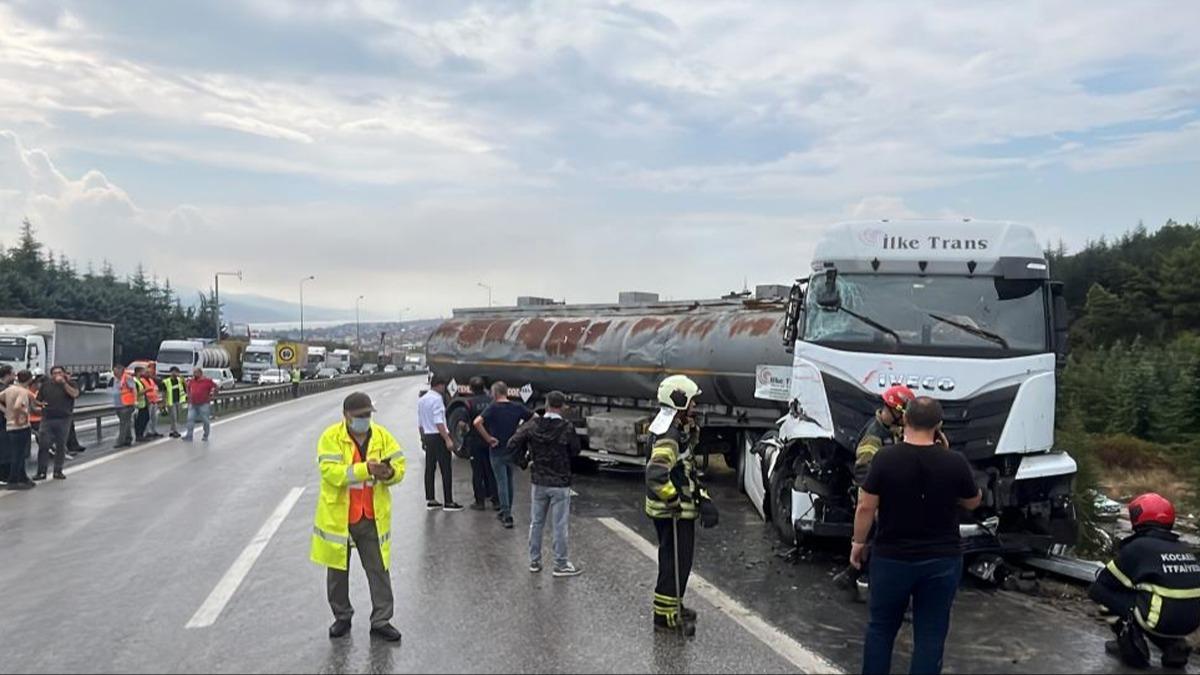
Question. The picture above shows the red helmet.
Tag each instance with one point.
(898, 397)
(1151, 508)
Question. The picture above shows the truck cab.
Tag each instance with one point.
(962, 311)
(258, 357)
(181, 354)
(23, 350)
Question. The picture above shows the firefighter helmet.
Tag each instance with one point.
(1150, 509)
(898, 397)
(678, 392)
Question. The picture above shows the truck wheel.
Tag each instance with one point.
(781, 483)
(739, 457)
(458, 424)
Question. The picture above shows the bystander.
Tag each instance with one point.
(496, 425)
(58, 396)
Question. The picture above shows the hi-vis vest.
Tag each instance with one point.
(176, 390)
(663, 498)
(129, 393)
(339, 475)
(140, 387)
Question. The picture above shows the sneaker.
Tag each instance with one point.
(452, 506)
(535, 566)
(508, 523)
(71, 456)
(175, 434)
(41, 475)
(432, 505)
(78, 449)
(58, 475)
(568, 570)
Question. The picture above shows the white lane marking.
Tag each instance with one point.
(801, 657)
(228, 585)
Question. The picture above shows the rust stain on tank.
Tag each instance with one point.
(565, 336)
(648, 324)
(756, 327)
(448, 329)
(695, 327)
(595, 332)
(533, 332)
(497, 331)
(472, 333)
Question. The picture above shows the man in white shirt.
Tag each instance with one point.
(436, 440)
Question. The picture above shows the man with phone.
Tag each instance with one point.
(358, 461)
(58, 398)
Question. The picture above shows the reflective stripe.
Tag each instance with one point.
(667, 492)
(1171, 593)
(1116, 572)
(329, 458)
(331, 538)
(1156, 603)
(393, 456)
(363, 486)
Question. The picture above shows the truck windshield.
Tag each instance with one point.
(256, 357)
(176, 356)
(12, 349)
(316, 358)
(932, 315)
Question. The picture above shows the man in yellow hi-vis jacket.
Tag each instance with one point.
(358, 460)
(675, 499)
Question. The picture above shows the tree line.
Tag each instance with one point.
(1135, 362)
(36, 283)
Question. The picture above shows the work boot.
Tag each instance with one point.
(1176, 655)
(670, 625)
(339, 629)
(689, 614)
(386, 632)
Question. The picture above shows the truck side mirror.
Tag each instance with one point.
(791, 319)
(1062, 323)
(828, 296)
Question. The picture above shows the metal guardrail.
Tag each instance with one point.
(240, 399)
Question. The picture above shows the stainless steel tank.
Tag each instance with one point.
(614, 350)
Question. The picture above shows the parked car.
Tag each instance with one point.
(275, 376)
(106, 379)
(222, 376)
(369, 369)
(327, 374)
(390, 368)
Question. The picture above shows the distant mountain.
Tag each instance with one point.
(248, 308)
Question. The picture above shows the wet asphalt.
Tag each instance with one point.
(102, 572)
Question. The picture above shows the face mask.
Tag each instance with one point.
(360, 425)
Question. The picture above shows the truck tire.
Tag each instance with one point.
(780, 495)
(457, 423)
(91, 381)
(739, 457)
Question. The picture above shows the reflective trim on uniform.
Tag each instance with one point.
(1116, 572)
(363, 486)
(1156, 603)
(392, 456)
(329, 458)
(331, 538)
(1171, 593)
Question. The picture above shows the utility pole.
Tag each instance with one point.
(217, 297)
(307, 278)
(489, 290)
(358, 325)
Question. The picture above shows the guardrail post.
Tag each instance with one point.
(99, 434)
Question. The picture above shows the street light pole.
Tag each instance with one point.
(307, 278)
(357, 325)
(489, 290)
(217, 297)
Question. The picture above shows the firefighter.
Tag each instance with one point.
(886, 428)
(1152, 587)
(675, 498)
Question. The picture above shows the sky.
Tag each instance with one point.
(409, 152)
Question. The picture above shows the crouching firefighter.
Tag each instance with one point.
(1152, 587)
(674, 499)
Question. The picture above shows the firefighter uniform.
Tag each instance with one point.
(874, 437)
(1153, 587)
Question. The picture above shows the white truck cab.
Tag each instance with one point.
(962, 311)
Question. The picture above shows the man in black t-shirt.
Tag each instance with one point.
(915, 489)
(496, 425)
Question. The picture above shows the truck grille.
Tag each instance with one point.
(972, 425)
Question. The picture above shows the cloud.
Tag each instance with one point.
(254, 126)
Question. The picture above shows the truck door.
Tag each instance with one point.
(35, 356)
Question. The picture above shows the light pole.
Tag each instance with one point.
(489, 290)
(357, 325)
(310, 277)
(217, 297)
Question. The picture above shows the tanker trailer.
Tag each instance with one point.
(609, 359)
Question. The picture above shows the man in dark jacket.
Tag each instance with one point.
(548, 443)
(1152, 587)
(483, 479)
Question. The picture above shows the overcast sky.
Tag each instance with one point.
(408, 151)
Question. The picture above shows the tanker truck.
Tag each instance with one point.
(961, 311)
(187, 355)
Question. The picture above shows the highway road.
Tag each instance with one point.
(174, 557)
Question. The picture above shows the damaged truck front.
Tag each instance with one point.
(961, 311)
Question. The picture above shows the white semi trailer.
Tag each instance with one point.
(84, 348)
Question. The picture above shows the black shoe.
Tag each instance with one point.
(452, 506)
(58, 475)
(432, 505)
(339, 629)
(1176, 655)
(175, 434)
(662, 624)
(77, 450)
(478, 506)
(41, 475)
(689, 615)
(495, 505)
(508, 523)
(386, 632)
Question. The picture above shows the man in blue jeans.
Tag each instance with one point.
(549, 443)
(915, 489)
(496, 426)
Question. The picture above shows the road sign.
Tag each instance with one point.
(287, 354)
